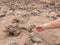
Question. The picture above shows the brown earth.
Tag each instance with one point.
(19, 17)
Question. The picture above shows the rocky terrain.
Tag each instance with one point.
(18, 19)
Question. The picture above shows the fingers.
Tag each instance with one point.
(39, 28)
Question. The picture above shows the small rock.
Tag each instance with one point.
(2, 14)
(13, 43)
(12, 30)
(57, 44)
(34, 14)
(10, 12)
(34, 38)
(54, 17)
(58, 15)
(15, 21)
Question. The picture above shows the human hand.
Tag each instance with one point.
(41, 27)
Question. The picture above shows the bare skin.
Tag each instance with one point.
(50, 25)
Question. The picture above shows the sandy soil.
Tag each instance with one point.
(18, 18)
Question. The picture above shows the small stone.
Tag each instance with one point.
(13, 43)
(34, 38)
(33, 13)
(54, 17)
(12, 30)
(2, 14)
(58, 44)
(35, 43)
(15, 21)
(10, 12)
(31, 27)
(58, 15)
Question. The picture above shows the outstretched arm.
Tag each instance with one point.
(50, 25)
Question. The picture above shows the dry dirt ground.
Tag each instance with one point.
(19, 17)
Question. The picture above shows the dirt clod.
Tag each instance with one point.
(12, 30)
(15, 21)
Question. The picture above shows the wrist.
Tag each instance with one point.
(41, 27)
(44, 26)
